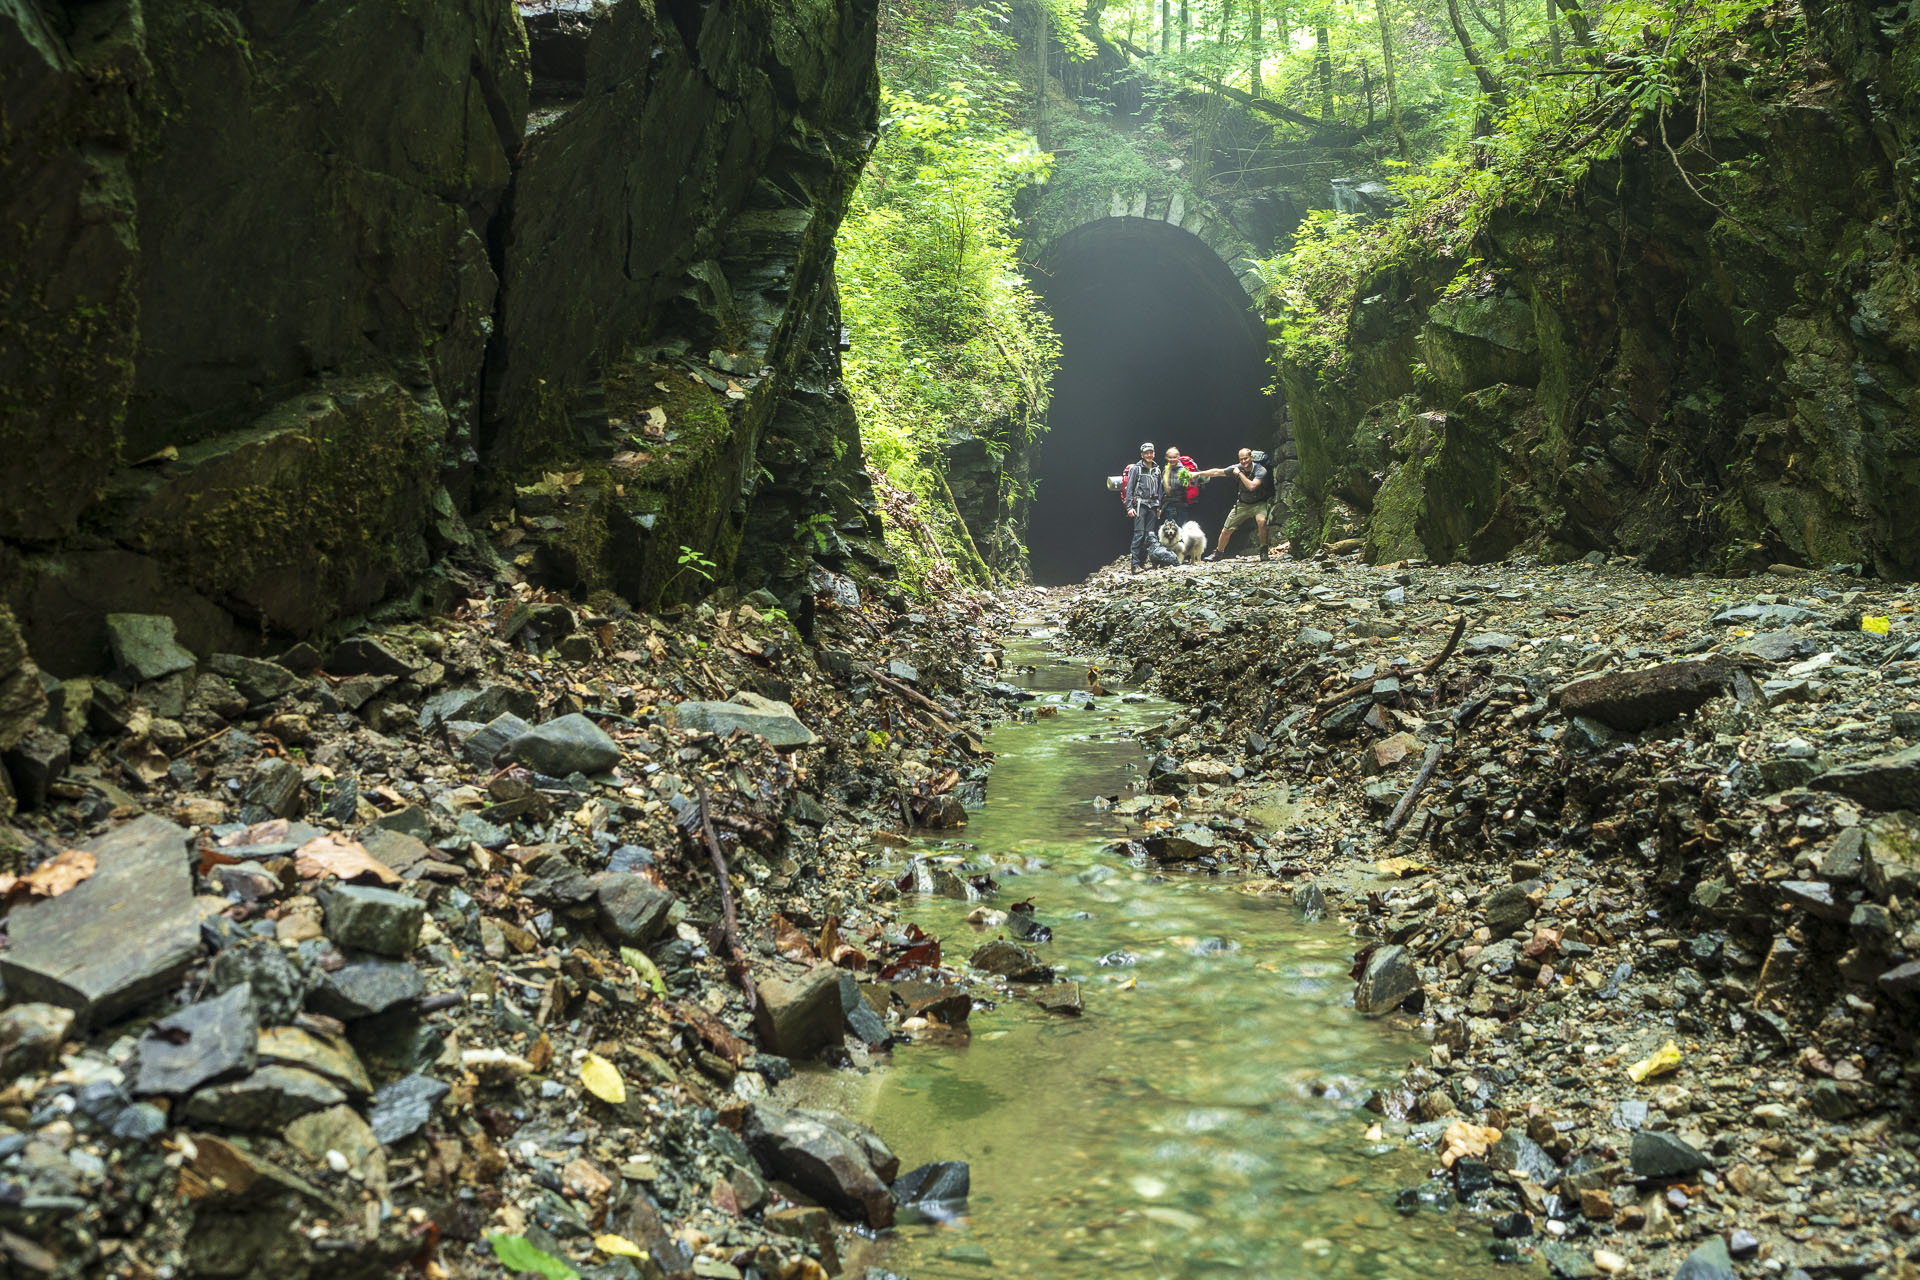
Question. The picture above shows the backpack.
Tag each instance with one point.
(1193, 490)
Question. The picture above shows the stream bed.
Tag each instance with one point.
(1203, 1117)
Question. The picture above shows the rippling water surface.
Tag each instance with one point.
(1202, 1118)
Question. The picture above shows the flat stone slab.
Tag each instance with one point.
(205, 1041)
(124, 936)
(750, 713)
(1635, 700)
(1884, 782)
(144, 645)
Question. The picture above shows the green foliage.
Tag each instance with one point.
(948, 339)
(689, 561)
(519, 1256)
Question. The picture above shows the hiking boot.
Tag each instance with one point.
(1211, 556)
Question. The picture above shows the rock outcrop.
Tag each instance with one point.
(290, 291)
(1718, 383)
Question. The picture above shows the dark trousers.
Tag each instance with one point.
(1146, 525)
(1176, 511)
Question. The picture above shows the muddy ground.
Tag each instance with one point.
(481, 942)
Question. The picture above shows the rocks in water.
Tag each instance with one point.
(1061, 998)
(1184, 843)
(203, 1042)
(145, 645)
(566, 745)
(1633, 700)
(377, 920)
(123, 936)
(819, 1161)
(270, 1098)
(941, 1002)
(1390, 978)
(1657, 1154)
(631, 909)
(365, 989)
(1012, 961)
(1884, 782)
(404, 1107)
(861, 1021)
(798, 1016)
(938, 1190)
(749, 713)
(30, 1037)
(1310, 900)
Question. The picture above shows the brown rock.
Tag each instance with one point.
(1634, 700)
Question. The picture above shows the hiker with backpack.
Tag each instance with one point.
(1180, 481)
(1250, 502)
(1142, 495)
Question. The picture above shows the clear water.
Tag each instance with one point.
(1203, 1117)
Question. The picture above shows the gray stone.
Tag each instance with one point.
(257, 681)
(125, 935)
(1310, 900)
(1518, 1154)
(1778, 646)
(1710, 1261)
(1390, 978)
(366, 656)
(144, 645)
(1903, 981)
(34, 763)
(1507, 909)
(207, 1041)
(1346, 720)
(905, 672)
(398, 851)
(567, 745)
(1662, 1155)
(1489, 642)
(749, 713)
(336, 1129)
(819, 1161)
(485, 745)
(1568, 1261)
(1314, 638)
(938, 1190)
(481, 705)
(1815, 897)
(403, 1108)
(323, 1053)
(1842, 862)
(631, 910)
(943, 1002)
(1061, 998)
(30, 1038)
(1633, 700)
(1763, 616)
(1011, 961)
(279, 987)
(270, 1098)
(1182, 844)
(376, 920)
(365, 989)
(556, 882)
(1884, 782)
(796, 1017)
(274, 786)
(866, 1025)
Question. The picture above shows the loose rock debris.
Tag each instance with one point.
(1652, 908)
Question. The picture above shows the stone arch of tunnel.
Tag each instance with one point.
(1159, 341)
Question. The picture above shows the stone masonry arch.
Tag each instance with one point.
(1176, 209)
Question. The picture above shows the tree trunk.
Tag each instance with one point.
(1255, 47)
(1323, 61)
(1393, 92)
(1488, 85)
(1166, 24)
(1577, 22)
(1553, 34)
(1503, 37)
(1040, 61)
(1186, 24)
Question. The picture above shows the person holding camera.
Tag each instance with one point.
(1142, 493)
(1250, 502)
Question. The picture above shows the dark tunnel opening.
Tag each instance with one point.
(1158, 342)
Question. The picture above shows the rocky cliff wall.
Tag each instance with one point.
(1633, 369)
(289, 287)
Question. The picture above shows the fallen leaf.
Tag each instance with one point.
(602, 1080)
(273, 831)
(649, 972)
(617, 1247)
(656, 418)
(53, 877)
(1398, 868)
(344, 859)
(1658, 1063)
(517, 1254)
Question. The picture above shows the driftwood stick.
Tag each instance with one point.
(730, 926)
(1348, 694)
(911, 697)
(1420, 780)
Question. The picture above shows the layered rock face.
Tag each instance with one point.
(286, 289)
(1720, 385)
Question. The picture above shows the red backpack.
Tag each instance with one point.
(1193, 490)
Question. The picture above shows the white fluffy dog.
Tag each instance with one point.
(1188, 541)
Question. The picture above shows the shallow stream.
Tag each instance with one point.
(1202, 1118)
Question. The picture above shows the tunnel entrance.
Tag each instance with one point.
(1158, 342)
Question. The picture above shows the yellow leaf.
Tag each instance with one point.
(617, 1246)
(603, 1080)
(1875, 626)
(1664, 1059)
